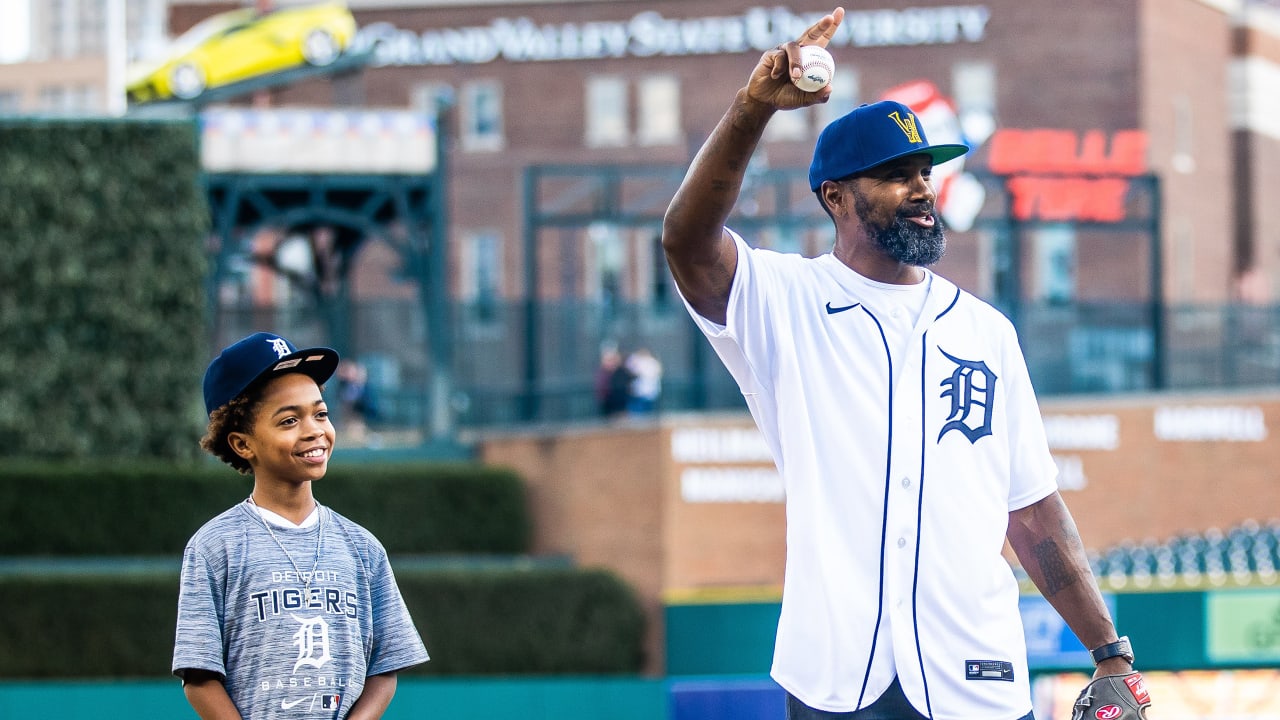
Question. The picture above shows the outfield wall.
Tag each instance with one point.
(688, 508)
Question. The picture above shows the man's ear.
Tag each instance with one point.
(837, 197)
(240, 445)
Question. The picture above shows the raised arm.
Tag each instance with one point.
(1045, 539)
(701, 254)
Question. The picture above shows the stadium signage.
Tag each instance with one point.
(1082, 432)
(650, 34)
(726, 465)
(1050, 643)
(719, 445)
(1243, 626)
(1229, 423)
(731, 485)
(1059, 175)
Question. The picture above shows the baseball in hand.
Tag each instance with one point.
(816, 68)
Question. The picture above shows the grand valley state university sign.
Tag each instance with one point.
(649, 34)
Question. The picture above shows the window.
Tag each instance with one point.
(429, 98)
(1055, 264)
(608, 256)
(61, 28)
(481, 271)
(607, 110)
(661, 292)
(145, 21)
(974, 88)
(659, 116)
(53, 99)
(788, 125)
(480, 116)
(85, 100)
(844, 96)
(481, 265)
(93, 28)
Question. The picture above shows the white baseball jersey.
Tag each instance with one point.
(899, 482)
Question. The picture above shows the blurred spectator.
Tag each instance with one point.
(613, 383)
(646, 381)
(355, 400)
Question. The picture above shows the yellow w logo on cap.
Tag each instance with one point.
(908, 126)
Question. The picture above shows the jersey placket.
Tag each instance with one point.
(904, 497)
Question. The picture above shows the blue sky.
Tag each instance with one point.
(13, 30)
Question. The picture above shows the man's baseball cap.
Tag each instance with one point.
(870, 135)
(257, 358)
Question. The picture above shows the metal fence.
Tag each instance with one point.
(500, 376)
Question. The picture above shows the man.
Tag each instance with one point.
(899, 411)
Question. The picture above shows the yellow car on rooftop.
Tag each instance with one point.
(242, 44)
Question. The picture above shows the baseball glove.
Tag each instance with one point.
(1113, 697)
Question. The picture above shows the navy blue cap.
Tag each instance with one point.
(258, 357)
(870, 135)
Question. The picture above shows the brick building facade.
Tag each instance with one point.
(625, 83)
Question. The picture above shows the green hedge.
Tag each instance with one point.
(545, 621)
(102, 303)
(153, 509)
(121, 625)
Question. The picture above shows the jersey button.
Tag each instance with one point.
(902, 542)
(906, 482)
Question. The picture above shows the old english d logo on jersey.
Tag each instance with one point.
(908, 126)
(972, 388)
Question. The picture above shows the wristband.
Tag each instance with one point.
(1120, 648)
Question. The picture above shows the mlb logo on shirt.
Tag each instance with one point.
(330, 702)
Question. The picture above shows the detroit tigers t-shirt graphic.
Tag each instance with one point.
(309, 688)
(293, 642)
(971, 388)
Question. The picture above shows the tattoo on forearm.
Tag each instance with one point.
(1056, 573)
(745, 121)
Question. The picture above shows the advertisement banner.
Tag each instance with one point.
(1050, 643)
(1243, 626)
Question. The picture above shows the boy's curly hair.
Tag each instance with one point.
(235, 416)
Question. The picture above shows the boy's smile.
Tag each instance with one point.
(292, 438)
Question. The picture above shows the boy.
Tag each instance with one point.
(287, 609)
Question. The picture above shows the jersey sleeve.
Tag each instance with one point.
(742, 340)
(396, 643)
(1033, 475)
(198, 641)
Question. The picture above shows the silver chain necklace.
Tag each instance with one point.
(306, 579)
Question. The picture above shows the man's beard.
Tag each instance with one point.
(904, 240)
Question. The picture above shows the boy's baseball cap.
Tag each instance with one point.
(257, 358)
(870, 135)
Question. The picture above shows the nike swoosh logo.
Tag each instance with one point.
(834, 310)
(289, 705)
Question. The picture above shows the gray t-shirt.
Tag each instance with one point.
(286, 649)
